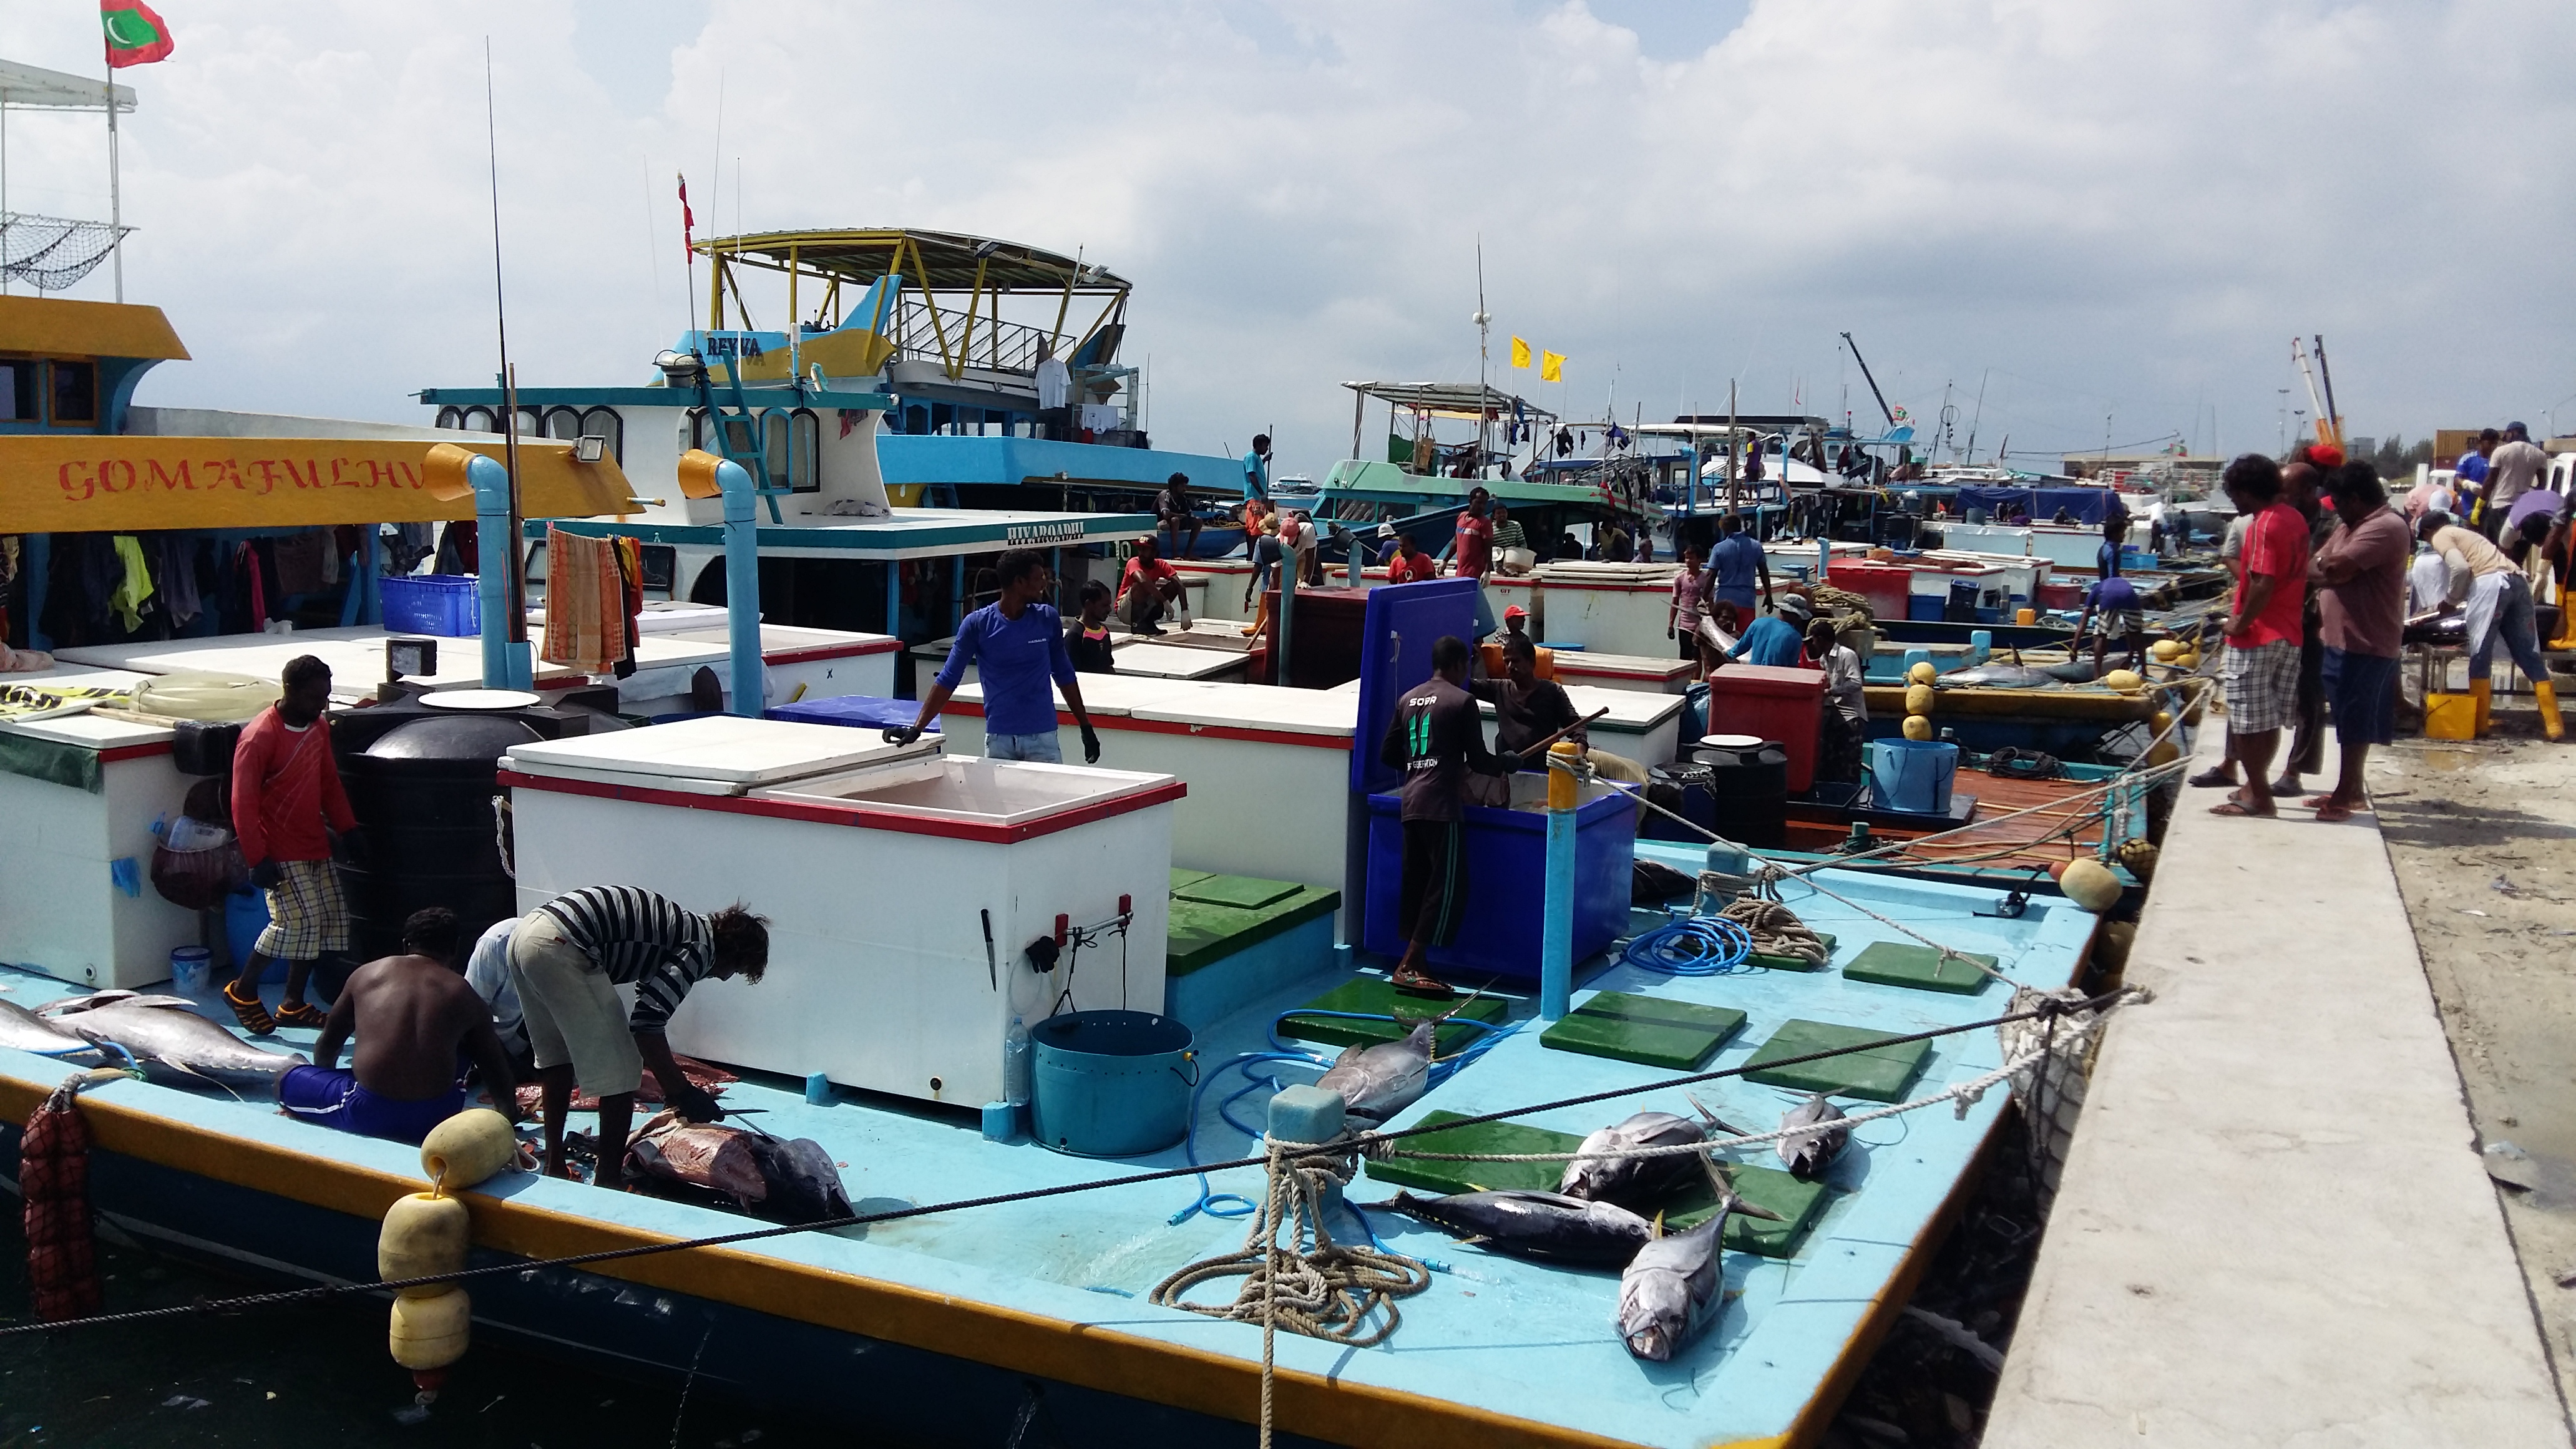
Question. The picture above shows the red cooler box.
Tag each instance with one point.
(1885, 585)
(1771, 704)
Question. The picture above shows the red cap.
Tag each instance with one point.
(1515, 612)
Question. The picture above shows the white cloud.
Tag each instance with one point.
(2121, 209)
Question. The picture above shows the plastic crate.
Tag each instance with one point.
(447, 605)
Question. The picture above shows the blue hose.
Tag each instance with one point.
(1694, 946)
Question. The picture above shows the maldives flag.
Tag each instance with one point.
(136, 33)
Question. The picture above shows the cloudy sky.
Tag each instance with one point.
(2104, 218)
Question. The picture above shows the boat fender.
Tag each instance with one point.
(2166, 650)
(2089, 884)
(2126, 681)
(431, 1333)
(424, 1233)
(467, 1149)
(1918, 699)
(1922, 674)
(1918, 727)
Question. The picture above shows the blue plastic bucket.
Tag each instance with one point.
(1110, 1083)
(1912, 775)
(245, 916)
(190, 967)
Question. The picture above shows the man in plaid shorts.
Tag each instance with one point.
(2265, 627)
(286, 789)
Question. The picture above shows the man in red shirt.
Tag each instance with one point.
(1148, 589)
(286, 789)
(1476, 537)
(2264, 628)
(1410, 565)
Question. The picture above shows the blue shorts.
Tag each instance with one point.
(332, 1097)
(1035, 749)
(2362, 688)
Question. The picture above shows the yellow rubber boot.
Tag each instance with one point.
(2546, 693)
(2482, 692)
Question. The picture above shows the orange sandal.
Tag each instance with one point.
(252, 1015)
(298, 1013)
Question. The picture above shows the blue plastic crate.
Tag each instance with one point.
(447, 605)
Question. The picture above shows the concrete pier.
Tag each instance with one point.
(2274, 1227)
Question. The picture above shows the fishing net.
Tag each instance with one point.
(2050, 1092)
(53, 252)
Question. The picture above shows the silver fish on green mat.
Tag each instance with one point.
(1545, 1225)
(1809, 1153)
(1673, 1288)
(1634, 1181)
(1379, 1081)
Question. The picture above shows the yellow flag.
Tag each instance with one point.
(1551, 367)
(1520, 353)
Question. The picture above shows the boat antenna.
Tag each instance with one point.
(1484, 327)
(518, 620)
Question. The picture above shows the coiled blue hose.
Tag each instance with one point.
(1693, 946)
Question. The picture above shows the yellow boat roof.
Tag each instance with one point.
(937, 261)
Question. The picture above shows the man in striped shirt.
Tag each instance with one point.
(567, 959)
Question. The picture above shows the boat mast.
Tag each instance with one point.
(1484, 330)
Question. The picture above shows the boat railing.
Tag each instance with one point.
(927, 332)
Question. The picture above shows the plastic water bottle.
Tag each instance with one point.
(1015, 1063)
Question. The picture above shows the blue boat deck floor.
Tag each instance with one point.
(1496, 1337)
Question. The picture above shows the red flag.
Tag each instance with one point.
(688, 220)
(136, 33)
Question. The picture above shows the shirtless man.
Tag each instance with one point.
(414, 1017)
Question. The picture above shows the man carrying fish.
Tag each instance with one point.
(1436, 737)
(287, 800)
(569, 956)
(414, 1017)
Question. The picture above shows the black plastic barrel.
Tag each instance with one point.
(1748, 787)
(423, 795)
(1683, 788)
(1962, 605)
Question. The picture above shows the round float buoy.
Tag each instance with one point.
(466, 1149)
(2166, 650)
(2163, 752)
(1918, 699)
(2088, 883)
(423, 1234)
(431, 1333)
(2126, 681)
(1918, 727)
(1922, 673)
(2190, 659)
(2139, 854)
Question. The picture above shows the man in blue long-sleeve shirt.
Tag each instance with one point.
(1017, 647)
(1777, 640)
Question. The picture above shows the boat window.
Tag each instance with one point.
(532, 422)
(609, 424)
(479, 420)
(75, 393)
(795, 464)
(18, 388)
(450, 417)
(563, 423)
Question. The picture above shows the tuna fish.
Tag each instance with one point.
(1379, 1081)
(791, 1181)
(1674, 1286)
(22, 1030)
(166, 1031)
(1997, 676)
(1545, 1225)
(1808, 1153)
(1635, 1181)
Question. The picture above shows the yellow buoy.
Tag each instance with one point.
(468, 1148)
(2162, 722)
(2166, 650)
(2190, 659)
(1922, 673)
(2090, 884)
(423, 1234)
(1918, 727)
(1918, 699)
(2163, 752)
(431, 1333)
(2126, 681)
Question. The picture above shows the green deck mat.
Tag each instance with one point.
(1676, 1035)
(1798, 1203)
(1920, 968)
(1794, 963)
(1243, 892)
(1182, 876)
(1881, 1074)
(1372, 995)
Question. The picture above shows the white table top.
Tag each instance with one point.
(776, 639)
(1175, 661)
(725, 748)
(356, 656)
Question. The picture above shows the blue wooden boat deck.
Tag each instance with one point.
(949, 1315)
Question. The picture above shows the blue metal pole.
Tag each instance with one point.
(506, 662)
(1556, 951)
(742, 585)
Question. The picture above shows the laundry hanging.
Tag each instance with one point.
(585, 603)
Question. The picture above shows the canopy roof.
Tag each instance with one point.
(937, 261)
(1449, 399)
(32, 88)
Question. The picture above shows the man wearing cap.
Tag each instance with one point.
(1777, 640)
(2512, 468)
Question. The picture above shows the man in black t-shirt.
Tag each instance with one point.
(1086, 637)
(1177, 515)
(1436, 738)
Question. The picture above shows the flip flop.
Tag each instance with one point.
(252, 1015)
(299, 1013)
(2332, 814)
(2213, 778)
(2237, 809)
